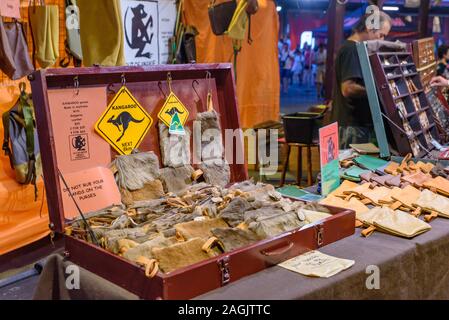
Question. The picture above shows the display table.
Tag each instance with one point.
(409, 269)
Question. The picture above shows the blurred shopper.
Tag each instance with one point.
(350, 104)
(320, 61)
(443, 58)
(307, 74)
(286, 63)
(297, 66)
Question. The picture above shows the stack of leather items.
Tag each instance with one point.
(391, 198)
(165, 230)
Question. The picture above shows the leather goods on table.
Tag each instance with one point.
(352, 204)
(393, 222)
(376, 194)
(395, 181)
(234, 238)
(358, 190)
(199, 229)
(440, 184)
(368, 176)
(216, 173)
(234, 213)
(370, 163)
(392, 168)
(145, 249)
(407, 197)
(135, 170)
(417, 179)
(432, 202)
(151, 190)
(181, 254)
(345, 186)
(175, 149)
(176, 180)
(388, 198)
(275, 225)
(353, 173)
(425, 167)
(382, 180)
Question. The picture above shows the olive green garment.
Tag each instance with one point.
(101, 30)
(45, 28)
(237, 27)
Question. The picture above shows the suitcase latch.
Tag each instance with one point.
(224, 269)
(319, 235)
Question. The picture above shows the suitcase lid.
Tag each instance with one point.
(146, 84)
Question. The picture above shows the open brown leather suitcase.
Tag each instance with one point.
(145, 84)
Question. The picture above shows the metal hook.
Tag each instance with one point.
(109, 88)
(22, 87)
(76, 85)
(194, 89)
(123, 80)
(208, 78)
(159, 84)
(169, 80)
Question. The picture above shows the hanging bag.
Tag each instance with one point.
(44, 23)
(73, 42)
(20, 142)
(14, 59)
(220, 15)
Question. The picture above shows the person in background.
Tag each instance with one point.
(350, 103)
(439, 81)
(297, 66)
(320, 61)
(286, 63)
(443, 58)
(307, 74)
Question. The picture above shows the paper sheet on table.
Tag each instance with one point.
(317, 264)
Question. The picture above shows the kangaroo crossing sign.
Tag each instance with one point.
(125, 123)
(171, 106)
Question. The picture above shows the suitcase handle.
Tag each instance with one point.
(278, 251)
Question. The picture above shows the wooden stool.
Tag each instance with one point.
(299, 169)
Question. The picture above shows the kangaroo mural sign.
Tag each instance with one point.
(125, 123)
(148, 25)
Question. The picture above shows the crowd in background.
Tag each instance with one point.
(304, 66)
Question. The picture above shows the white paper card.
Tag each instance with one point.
(317, 264)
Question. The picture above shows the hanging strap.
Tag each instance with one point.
(6, 148)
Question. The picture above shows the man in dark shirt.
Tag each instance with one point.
(350, 104)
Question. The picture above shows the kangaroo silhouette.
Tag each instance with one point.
(123, 119)
(172, 111)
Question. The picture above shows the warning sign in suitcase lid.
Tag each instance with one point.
(125, 123)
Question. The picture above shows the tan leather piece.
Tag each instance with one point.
(433, 202)
(368, 231)
(376, 194)
(394, 222)
(352, 204)
(440, 184)
(392, 168)
(181, 255)
(417, 179)
(388, 198)
(424, 167)
(199, 229)
(345, 186)
(359, 190)
(407, 196)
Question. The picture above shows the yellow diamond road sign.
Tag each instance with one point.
(171, 106)
(125, 123)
